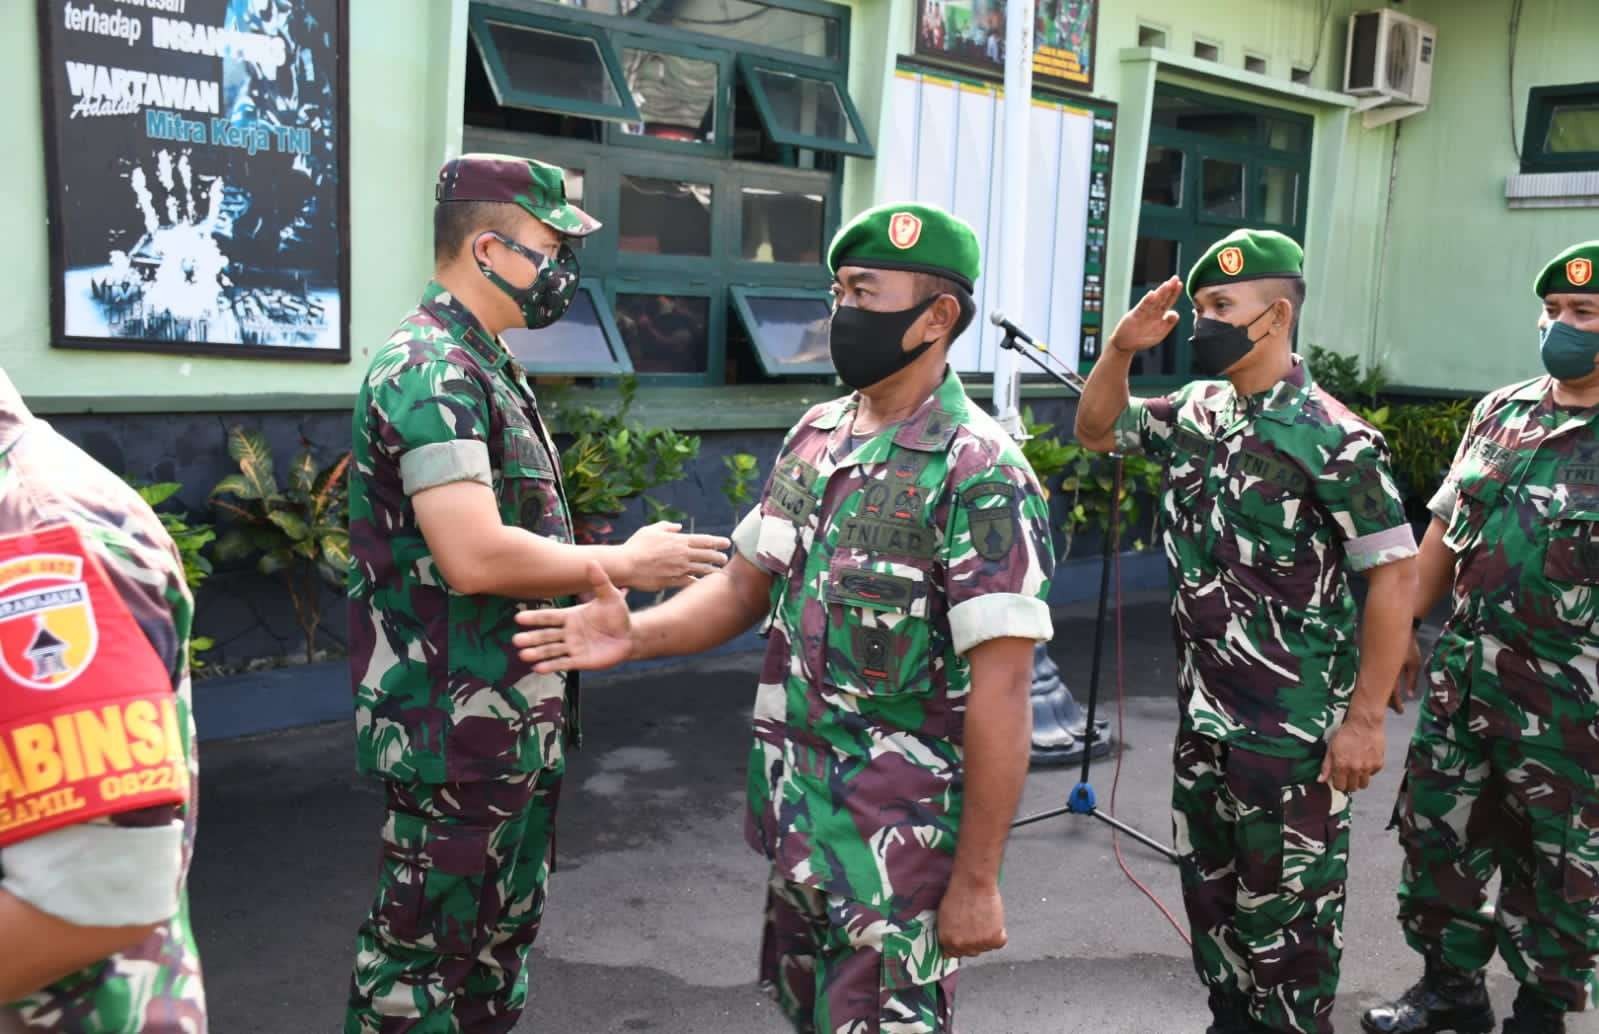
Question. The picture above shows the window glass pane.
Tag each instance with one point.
(1163, 176)
(1286, 136)
(791, 331)
(555, 64)
(807, 106)
(1573, 128)
(575, 341)
(1222, 189)
(664, 217)
(665, 333)
(676, 95)
(574, 186)
(1194, 116)
(1279, 195)
(815, 35)
(1155, 260)
(782, 227)
(600, 6)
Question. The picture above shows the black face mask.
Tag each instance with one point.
(1218, 344)
(866, 345)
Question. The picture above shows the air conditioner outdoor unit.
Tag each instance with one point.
(1388, 63)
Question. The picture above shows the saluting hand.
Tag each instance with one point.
(661, 557)
(597, 634)
(1149, 322)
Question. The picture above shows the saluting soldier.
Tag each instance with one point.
(458, 519)
(1274, 493)
(901, 558)
(1503, 770)
(98, 773)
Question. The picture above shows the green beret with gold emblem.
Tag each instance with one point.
(1247, 255)
(1570, 272)
(911, 237)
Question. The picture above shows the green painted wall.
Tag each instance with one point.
(403, 111)
(1457, 309)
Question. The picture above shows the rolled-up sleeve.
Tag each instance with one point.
(434, 420)
(1000, 560)
(1358, 489)
(747, 536)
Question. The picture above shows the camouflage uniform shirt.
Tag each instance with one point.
(1268, 501)
(1521, 508)
(889, 562)
(440, 694)
(153, 987)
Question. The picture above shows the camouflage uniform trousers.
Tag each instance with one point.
(837, 966)
(1265, 857)
(1472, 804)
(459, 900)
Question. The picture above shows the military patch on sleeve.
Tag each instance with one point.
(1369, 500)
(994, 528)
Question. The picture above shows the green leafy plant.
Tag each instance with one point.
(738, 487)
(191, 540)
(1089, 480)
(613, 460)
(298, 532)
(1422, 436)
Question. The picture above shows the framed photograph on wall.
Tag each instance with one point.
(971, 34)
(197, 176)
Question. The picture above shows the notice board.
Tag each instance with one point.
(197, 185)
(945, 137)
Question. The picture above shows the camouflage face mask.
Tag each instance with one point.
(554, 285)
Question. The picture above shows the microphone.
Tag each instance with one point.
(998, 319)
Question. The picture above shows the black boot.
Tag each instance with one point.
(1446, 999)
(1231, 1012)
(1535, 1014)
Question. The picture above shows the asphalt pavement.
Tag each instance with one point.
(654, 916)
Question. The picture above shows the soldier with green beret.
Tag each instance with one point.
(458, 519)
(1503, 770)
(900, 560)
(1275, 493)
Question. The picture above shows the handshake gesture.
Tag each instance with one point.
(596, 634)
(660, 556)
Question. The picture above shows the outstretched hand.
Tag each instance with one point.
(597, 634)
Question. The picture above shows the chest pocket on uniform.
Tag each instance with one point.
(530, 497)
(1266, 513)
(878, 639)
(1572, 555)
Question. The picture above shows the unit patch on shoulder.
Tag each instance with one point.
(89, 721)
(993, 528)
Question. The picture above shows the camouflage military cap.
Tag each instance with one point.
(917, 238)
(1247, 255)
(1570, 272)
(536, 186)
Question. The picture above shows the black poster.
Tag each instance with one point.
(197, 175)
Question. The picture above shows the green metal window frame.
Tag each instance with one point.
(788, 181)
(482, 15)
(741, 295)
(621, 363)
(1541, 104)
(715, 322)
(1192, 230)
(722, 145)
(750, 66)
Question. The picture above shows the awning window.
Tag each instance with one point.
(550, 64)
(788, 327)
(803, 107)
(583, 343)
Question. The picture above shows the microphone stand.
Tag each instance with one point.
(1083, 800)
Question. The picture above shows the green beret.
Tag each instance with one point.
(912, 237)
(1570, 272)
(537, 187)
(1247, 255)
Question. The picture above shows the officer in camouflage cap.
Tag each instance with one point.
(1274, 493)
(900, 559)
(458, 519)
(1503, 770)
